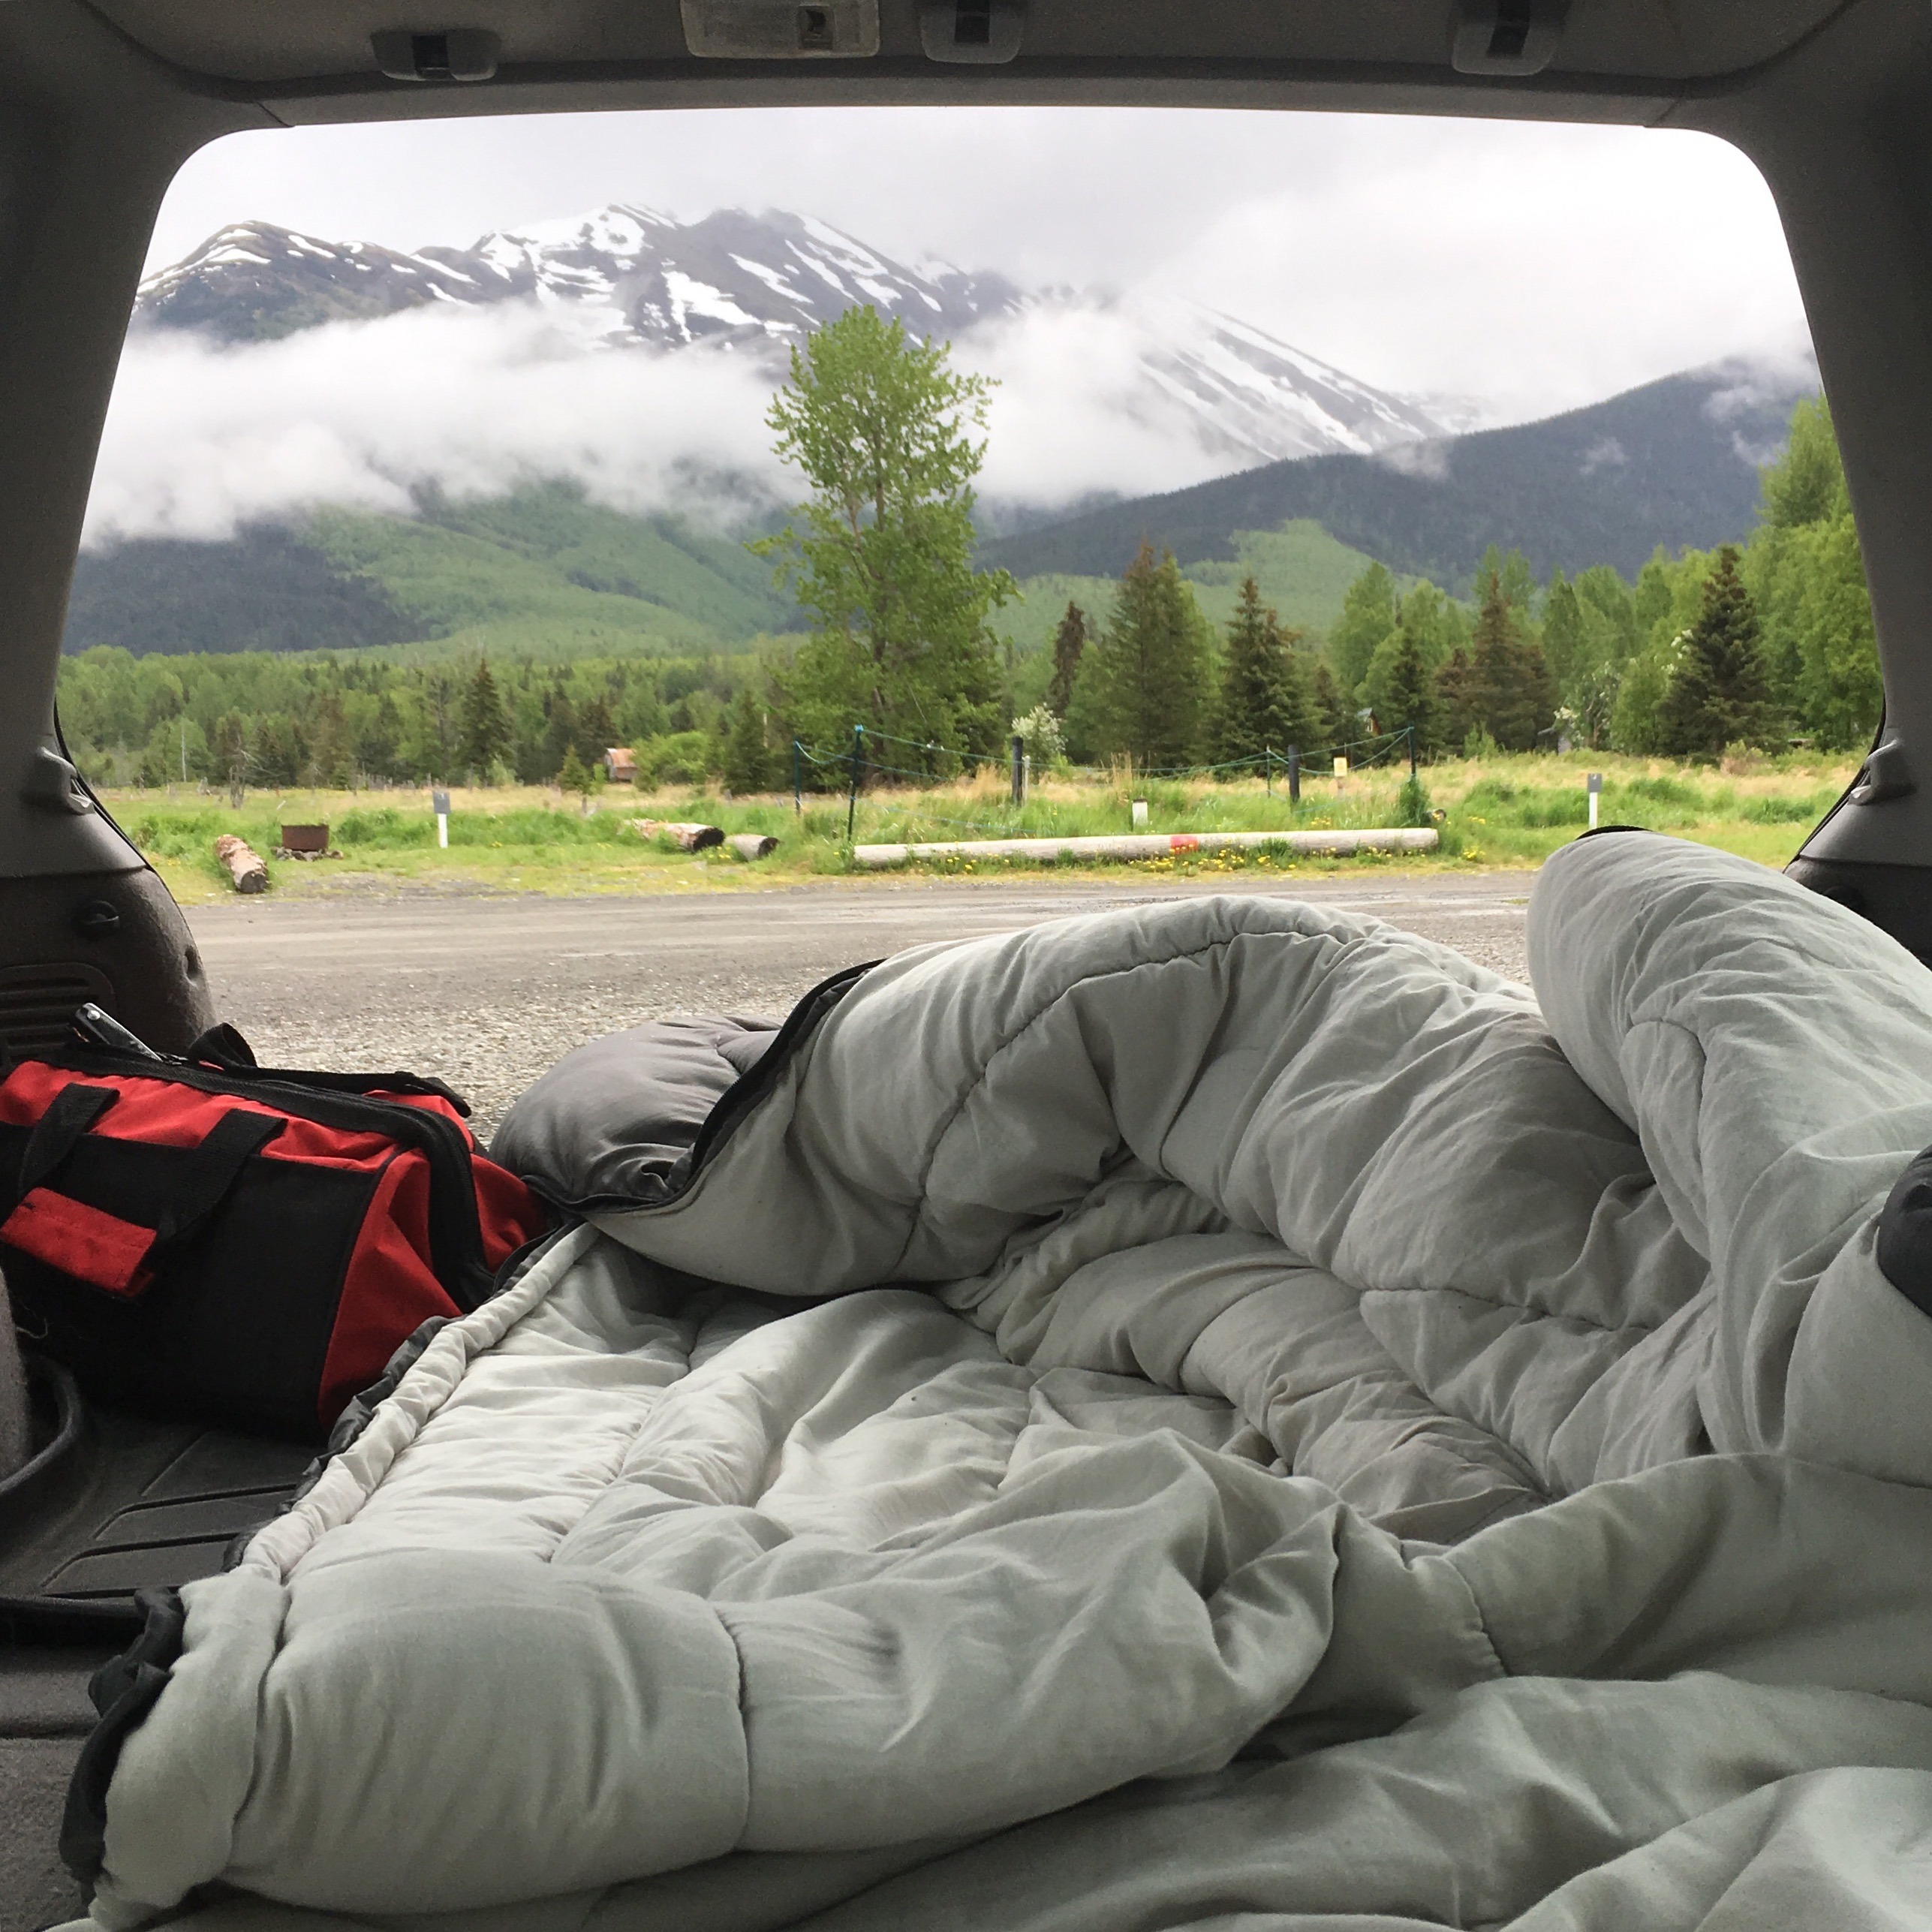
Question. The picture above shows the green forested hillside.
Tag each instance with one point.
(1302, 572)
(549, 573)
(267, 589)
(1674, 462)
(541, 573)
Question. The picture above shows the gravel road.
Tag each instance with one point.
(487, 991)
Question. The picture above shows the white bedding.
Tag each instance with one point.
(1228, 1415)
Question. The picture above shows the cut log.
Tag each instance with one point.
(1154, 845)
(686, 837)
(245, 865)
(752, 844)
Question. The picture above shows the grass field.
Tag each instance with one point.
(1502, 812)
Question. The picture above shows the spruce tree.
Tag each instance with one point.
(280, 751)
(330, 762)
(596, 732)
(486, 728)
(1256, 708)
(1146, 677)
(1406, 701)
(560, 733)
(748, 758)
(1334, 720)
(378, 735)
(1508, 689)
(1069, 641)
(1717, 694)
(1456, 715)
(1298, 716)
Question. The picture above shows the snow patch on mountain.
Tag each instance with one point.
(1227, 393)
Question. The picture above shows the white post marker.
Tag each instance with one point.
(1594, 780)
(1139, 813)
(440, 803)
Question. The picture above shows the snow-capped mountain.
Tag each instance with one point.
(756, 284)
(759, 279)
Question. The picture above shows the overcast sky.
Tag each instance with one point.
(1526, 268)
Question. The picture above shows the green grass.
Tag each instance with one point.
(1505, 812)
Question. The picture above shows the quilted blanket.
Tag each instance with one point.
(1218, 1415)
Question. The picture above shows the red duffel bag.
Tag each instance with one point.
(206, 1239)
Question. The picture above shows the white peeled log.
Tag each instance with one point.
(246, 866)
(687, 837)
(752, 844)
(1156, 845)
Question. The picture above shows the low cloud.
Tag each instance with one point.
(204, 438)
(1076, 413)
(1751, 383)
(1430, 461)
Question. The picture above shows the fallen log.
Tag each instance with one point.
(685, 836)
(1154, 845)
(246, 866)
(752, 844)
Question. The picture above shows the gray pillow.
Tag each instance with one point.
(611, 1124)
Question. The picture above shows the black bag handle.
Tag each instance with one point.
(216, 1166)
(218, 1163)
(69, 1115)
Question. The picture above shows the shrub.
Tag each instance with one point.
(1040, 732)
(682, 758)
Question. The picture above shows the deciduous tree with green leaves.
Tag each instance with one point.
(1367, 616)
(1806, 570)
(882, 430)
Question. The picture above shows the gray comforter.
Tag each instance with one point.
(1220, 1415)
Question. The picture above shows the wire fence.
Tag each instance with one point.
(859, 766)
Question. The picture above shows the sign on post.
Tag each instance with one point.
(1594, 782)
(439, 801)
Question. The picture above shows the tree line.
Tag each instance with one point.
(1750, 645)
(275, 720)
(1754, 645)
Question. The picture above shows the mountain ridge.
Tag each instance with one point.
(1672, 462)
